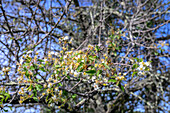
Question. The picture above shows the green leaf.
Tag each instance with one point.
(112, 80)
(115, 53)
(122, 88)
(38, 87)
(35, 98)
(99, 72)
(91, 58)
(58, 66)
(137, 59)
(10, 107)
(26, 64)
(12, 38)
(156, 53)
(134, 73)
(31, 95)
(2, 100)
(40, 60)
(1, 96)
(32, 68)
(42, 69)
(20, 40)
(5, 110)
(146, 68)
(117, 48)
(80, 67)
(74, 96)
(113, 44)
(116, 36)
(141, 60)
(97, 48)
(68, 77)
(91, 72)
(7, 96)
(60, 84)
(35, 92)
(65, 93)
(35, 46)
(106, 66)
(50, 100)
(134, 66)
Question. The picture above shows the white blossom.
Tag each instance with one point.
(72, 71)
(54, 97)
(21, 61)
(55, 53)
(142, 67)
(105, 79)
(66, 38)
(29, 52)
(45, 60)
(5, 69)
(96, 87)
(76, 73)
(147, 64)
(65, 56)
(93, 78)
(82, 60)
(124, 74)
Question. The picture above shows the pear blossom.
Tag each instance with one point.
(147, 64)
(105, 79)
(142, 67)
(96, 87)
(5, 69)
(66, 38)
(29, 52)
(55, 53)
(93, 78)
(124, 74)
(65, 56)
(76, 73)
(21, 61)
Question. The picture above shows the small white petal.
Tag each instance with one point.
(29, 52)
(21, 61)
(147, 63)
(66, 38)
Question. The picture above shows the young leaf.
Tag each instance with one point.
(106, 66)
(42, 69)
(32, 68)
(40, 60)
(91, 72)
(80, 67)
(134, 66)
(38, 87)
(35, 98)
(112, 80)
(91, 58)
(58, 66)
(99, 72)
(122, 88)
(134, 73)
(74, 96)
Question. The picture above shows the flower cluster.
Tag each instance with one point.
(144, 67)
(75, 64)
